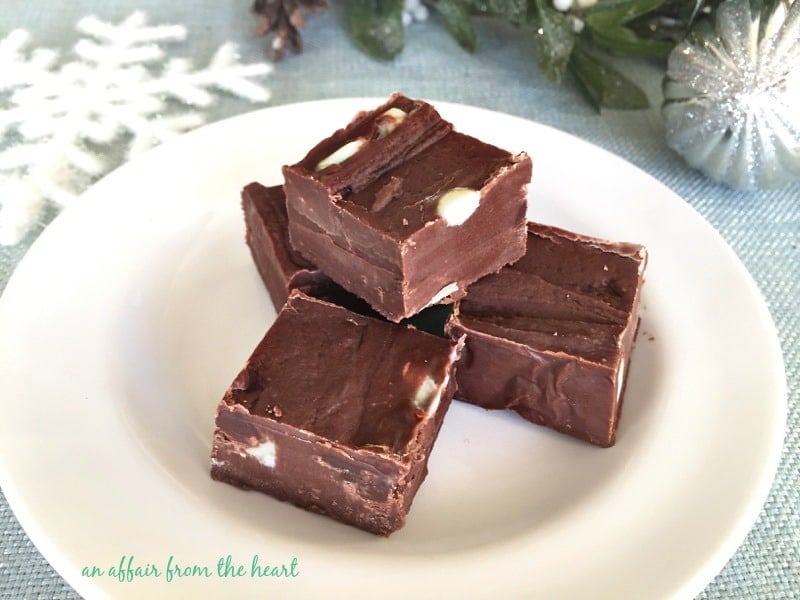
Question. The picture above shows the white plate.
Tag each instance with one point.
(131, 314)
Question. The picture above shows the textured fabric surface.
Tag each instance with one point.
(762, 227)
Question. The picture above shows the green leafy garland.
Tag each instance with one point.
(569, 35)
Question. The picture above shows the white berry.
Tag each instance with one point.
(424, 393)
(341, 155)
(264, 453)
(450, 288)
(457, 205)
(389, 121)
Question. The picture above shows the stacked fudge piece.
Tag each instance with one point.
(395, 226)
(405, 212)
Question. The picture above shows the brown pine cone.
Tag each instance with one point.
(284, 19)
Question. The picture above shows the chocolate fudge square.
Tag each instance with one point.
(405, 212)
(267, 227)
(283, 270)
(337, 413)
(551, 335)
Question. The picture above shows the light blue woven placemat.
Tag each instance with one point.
(763, 228)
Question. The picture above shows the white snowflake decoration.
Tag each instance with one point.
(54, 118)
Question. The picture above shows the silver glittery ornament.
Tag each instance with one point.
(732, 95)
